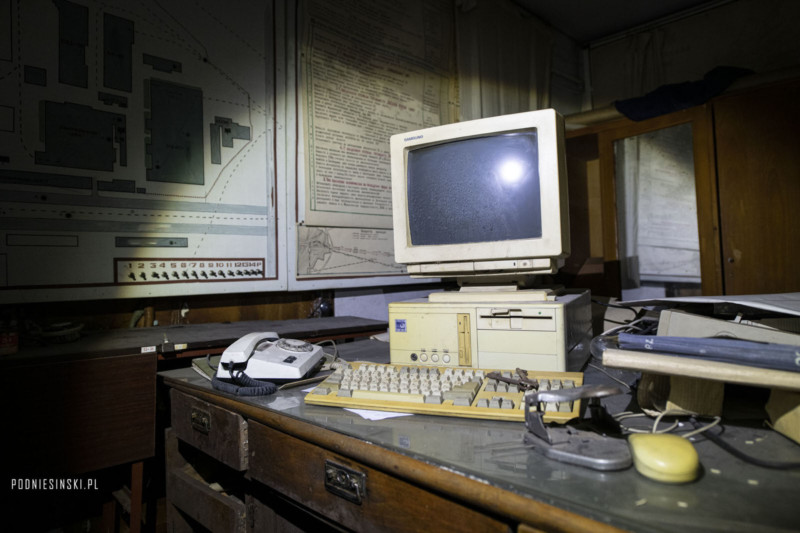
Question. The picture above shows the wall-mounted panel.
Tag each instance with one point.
(365, 70)
(138, 150)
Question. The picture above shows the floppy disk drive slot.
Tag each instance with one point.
(516, 319)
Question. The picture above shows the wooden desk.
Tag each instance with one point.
(270, 455)
(77, 408)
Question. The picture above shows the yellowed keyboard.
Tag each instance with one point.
(447, 391)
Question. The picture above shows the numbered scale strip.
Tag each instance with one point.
(129, 271)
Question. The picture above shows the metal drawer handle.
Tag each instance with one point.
(345, 482)
(201, 421)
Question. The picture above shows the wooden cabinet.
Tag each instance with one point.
(299, 476)
(314, 468)
(758, 169)
(80, 414)
(351, 494)
(747, 172)
(207, 484)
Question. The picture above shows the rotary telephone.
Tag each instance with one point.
(265, 356)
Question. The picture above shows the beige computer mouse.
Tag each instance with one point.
(663, 457)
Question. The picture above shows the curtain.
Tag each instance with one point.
(504, 59)
(646, 62)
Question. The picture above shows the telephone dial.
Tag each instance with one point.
(265, 356)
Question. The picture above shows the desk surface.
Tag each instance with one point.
(729, 495)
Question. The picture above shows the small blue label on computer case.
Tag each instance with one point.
(400, 325)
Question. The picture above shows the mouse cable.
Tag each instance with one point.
(736, 452)
(703, 429)
(619, 417)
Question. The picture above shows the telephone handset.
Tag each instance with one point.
(263, 355)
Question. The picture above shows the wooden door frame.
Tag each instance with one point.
(701, 119)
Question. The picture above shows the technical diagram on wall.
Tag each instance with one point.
(328, 252)
(368, 72)
(136, 149)
(364, 73)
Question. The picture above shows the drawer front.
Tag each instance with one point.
(218, 432)
(351, 494)
(213, 510)
(208, 499)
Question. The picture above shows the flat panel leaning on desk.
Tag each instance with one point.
(485, 202)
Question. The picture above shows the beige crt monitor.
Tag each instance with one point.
(485, 202)
(463, 213)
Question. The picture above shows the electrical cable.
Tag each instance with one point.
(722, 443)
(616, 306)
(643, 326)
(632, 324)
(657, 421)
(604, 371)
(240, 384)
(243, 385)
(335, 354)
(619, 417)
(703, 429)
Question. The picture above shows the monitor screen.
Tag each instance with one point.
(475, 190)
(486, 197)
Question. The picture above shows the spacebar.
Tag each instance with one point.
(389, 396)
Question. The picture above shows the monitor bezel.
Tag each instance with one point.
(554, 242)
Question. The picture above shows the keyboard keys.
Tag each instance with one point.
(464, 392)
(459, 395)
(388, 396)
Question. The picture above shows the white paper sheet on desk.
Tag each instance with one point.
(785, 302)
(369, 414)
(375, 415)
(282, 404)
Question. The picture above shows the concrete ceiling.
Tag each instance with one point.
(586, 21)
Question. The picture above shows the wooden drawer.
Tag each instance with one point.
(199, 493)
(218, 432)
(270, 511)
(324, 482)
